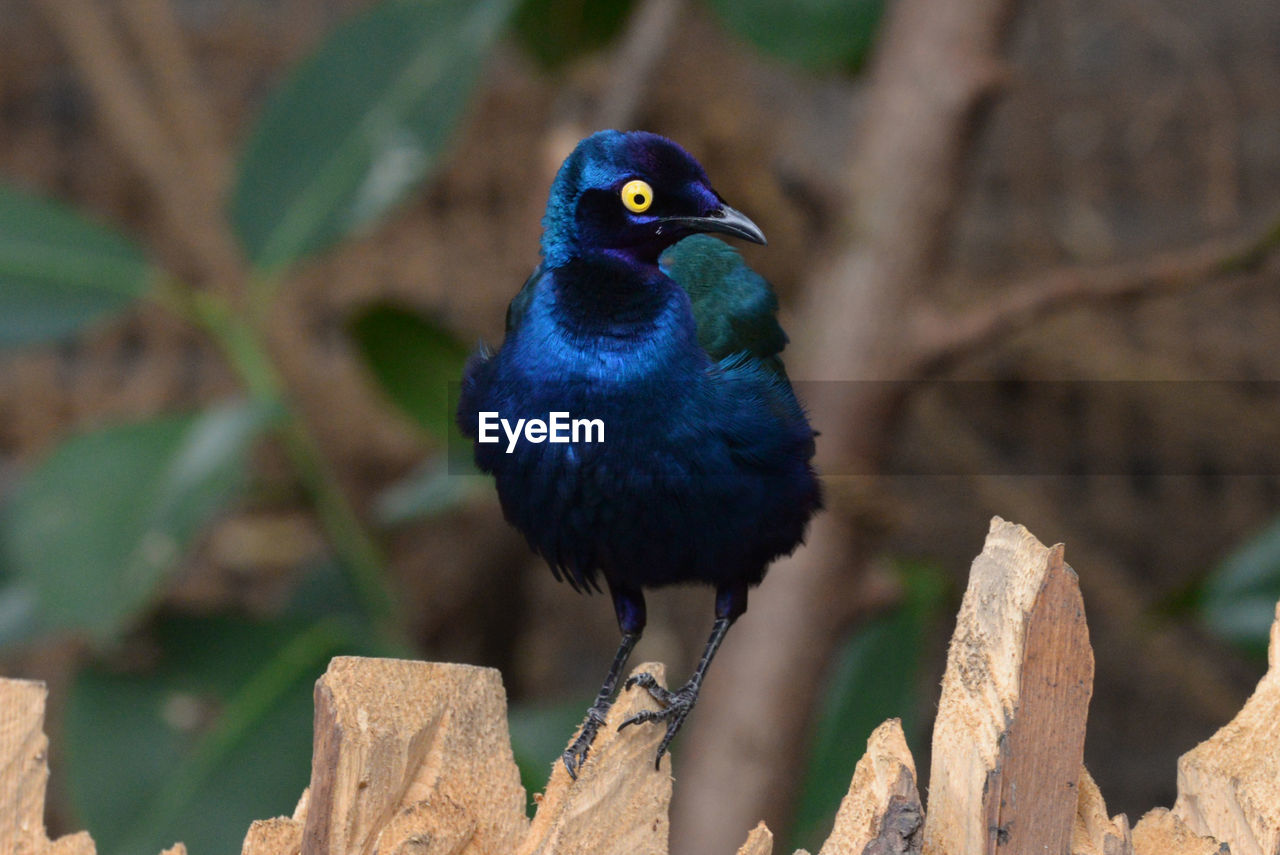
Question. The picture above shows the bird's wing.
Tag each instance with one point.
(479, 367)
(518, 304)
(734, 307)
(736, 313)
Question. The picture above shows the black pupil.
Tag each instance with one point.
(639, 199)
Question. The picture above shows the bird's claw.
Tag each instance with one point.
(675, 709)
(650, 684)
(575, 756)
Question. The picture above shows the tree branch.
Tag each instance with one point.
(191, 118)
(939, 339)
(93, 46)
(629, 75)
(635, 60)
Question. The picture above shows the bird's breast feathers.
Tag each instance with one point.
(587, 325)
(700, 469)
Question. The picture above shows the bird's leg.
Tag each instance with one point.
(676, 705)
(576, 754)
(631, 619)
(731, 602)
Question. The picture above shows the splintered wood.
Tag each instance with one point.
(24, 773)
(414, 758)
(1229, 785)
(1008, 742)
(604, 811)
(759, 842)
(881, 813)
(1095, 833)
(393, 737)
(1161, 832)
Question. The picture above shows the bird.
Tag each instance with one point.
(637, 318)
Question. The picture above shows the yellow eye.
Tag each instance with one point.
(637, 195)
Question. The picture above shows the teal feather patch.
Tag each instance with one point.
(734, 307)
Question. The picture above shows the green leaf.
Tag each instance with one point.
(874, 679)
(214, 736)
(432, 489)
(358, 124)
(557, 31)
(820, 35)
(415, 360)
(19, 616)
(59, 271)
(1240, 594)
(92, 532)
(326, 592)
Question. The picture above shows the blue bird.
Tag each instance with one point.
(661, 336)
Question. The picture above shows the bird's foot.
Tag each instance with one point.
(575, 756)
(675, 708)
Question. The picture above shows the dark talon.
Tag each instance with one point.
(643, 717)
(675, 708)
(575, 756)
(650, 684)
(644, 680)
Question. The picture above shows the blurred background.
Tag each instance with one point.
(1024, 253)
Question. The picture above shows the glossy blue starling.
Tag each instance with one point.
(694, 459)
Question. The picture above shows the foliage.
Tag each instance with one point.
(208, 737)
(122, 503)
(358, 125)
(820, 35)
(415, 360)
(539, 734)
(92, 531)
(557, 31)
(1239, 597)
(58, 271)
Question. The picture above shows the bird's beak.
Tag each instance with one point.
(725, 220)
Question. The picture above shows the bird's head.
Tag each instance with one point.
(635, 194)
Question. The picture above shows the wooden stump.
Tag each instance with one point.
(620, 802)
(1095, 833)
(414, 758)
(1229, 785)
(400, 748)
(881, 813)
(1161, 832)
(759, 841)
(1008, 742)
(24, 774)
